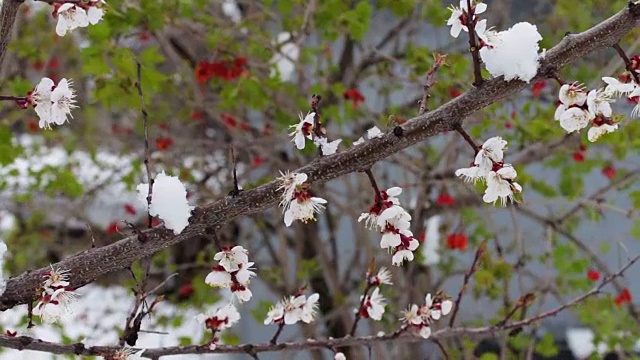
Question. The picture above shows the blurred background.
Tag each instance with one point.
(235, 74)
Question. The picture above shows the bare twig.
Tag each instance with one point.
(360, 308)
(439, 60)
(274, 339)
(374, 184)
(627, 62)
(474, 47)
(467, 138)
(465, 282)
(147, 152)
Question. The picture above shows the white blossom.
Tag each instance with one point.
(290, 182)
(405, 252)
(275, 314)
(471, 174)
(232, 259)
(598, 103)
(70, 17)
(431, 246)
(309, 308)
(575, 119)
(492, 151)
(374, 304)
(223, 318)
(303, 208)
(53, 102)
(382, 277)
(168, 201)
(95, 13)
(572, 94)
(455, 21)
(218, 278)
(339, 356)
(513, 53)
(500, 185)
(293, 309)
(615, 87)
(303, 130)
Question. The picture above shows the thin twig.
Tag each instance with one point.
(627, 62)
(236, 188)
(274, 339)
(147, 152)
(359, 313)
(467, 277)
(439, 60)
(374, 184)
(467, 138)
(473, 44)
(442, 349)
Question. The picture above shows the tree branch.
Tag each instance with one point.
(8, 15)
(87, 266)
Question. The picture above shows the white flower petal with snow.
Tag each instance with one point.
(595, 132)
(514, 53)
(396, 216)
(70, 17)
(374, 132)
(169, 201)
(290, 181)
(575, 119)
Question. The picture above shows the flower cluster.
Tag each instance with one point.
(393, 221)
(297, 202)
(57, 297)
(419, 318)
(512, 53)
(125, 354)
(52, 102)
(489, 166)
(374, 303)
(222, 318)
(78, 14)
(293, 309)
(304, 129)
(226, 70)
(578, 108)
(233, 271)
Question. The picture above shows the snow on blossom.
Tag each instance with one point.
(419, 318)
(222, 318)
(234, 271)
(283, 61)
(513, 53)
(57, 297)
(382, 277)
(52, 102)
(293, 309)
(460, 16)
(373, 305)
(303, 130)
(168, 201)
(297, 201)
(489, 167)
(326, 147)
